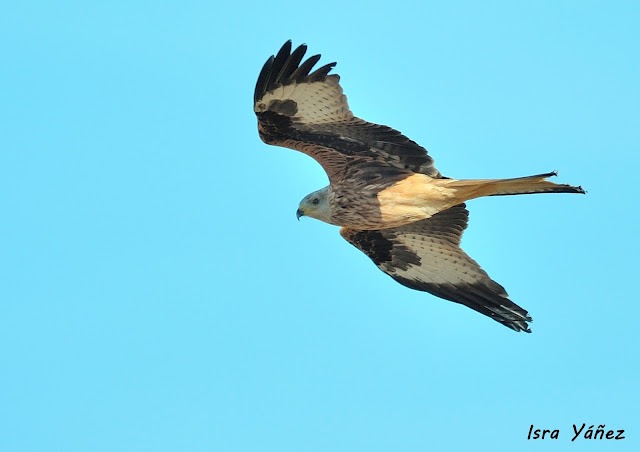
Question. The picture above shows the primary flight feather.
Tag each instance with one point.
(385, 192)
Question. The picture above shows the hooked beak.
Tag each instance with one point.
(299, 213)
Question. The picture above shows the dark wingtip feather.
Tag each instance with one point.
(517, 325)
(291, 64)
(321, 72)
(282, 55)
(285, 67)
(520, 325)
(303, 70)
(263, 79)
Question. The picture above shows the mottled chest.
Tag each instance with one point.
(358, 208)
(386, 205)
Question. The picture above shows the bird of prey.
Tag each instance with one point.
(384, 190)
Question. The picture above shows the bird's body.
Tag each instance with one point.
(381, 205)
(384, 191)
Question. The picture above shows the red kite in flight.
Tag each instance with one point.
(384, 192)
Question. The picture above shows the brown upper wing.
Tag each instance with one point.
(426, 256)
(307, 111)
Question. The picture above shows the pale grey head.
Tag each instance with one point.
(316, 205)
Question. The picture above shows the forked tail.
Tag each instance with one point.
(516, 186)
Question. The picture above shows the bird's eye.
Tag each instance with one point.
(315, 201)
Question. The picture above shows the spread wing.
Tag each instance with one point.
(307, 111)
(426, 256)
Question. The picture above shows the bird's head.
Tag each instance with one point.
(316, 205)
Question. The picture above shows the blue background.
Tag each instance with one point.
(157, 293)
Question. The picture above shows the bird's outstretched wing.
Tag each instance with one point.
(306, 110)
(426, 256)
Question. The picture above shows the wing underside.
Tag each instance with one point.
(426, 256)
(305, 109)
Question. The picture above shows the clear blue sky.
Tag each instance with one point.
(157, 292)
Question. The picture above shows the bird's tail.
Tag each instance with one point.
(475, 188)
